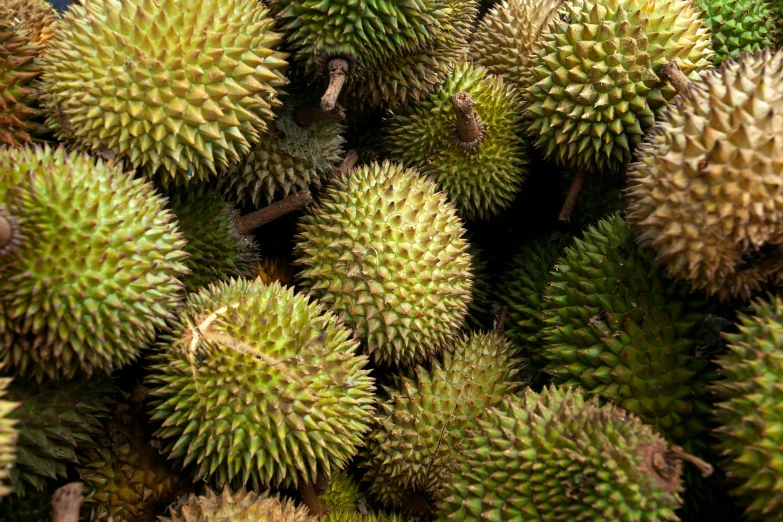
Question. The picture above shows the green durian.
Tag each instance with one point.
(183, 88)
(8, 436)
(35, 507)
(739, 26)
(481, 177)
(342, 494)
(593, 85)
(356, 516)
(385, 251)
(237, 506)
(92, 266)
(259, 371)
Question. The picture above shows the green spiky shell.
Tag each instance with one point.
(601, 197)
(57, 423)
(8, 436)
(385, 251)
(506, 34)
(342, 494)
(554, 456)
(410, 451)
(482, 181)
(261, 372)
(274, 269)
(95, 267)
(617, 327)
(290, 158)
(739, 26)
(593, 85)
(38, 16)
(239, 506)
(705, 190)
(180, 87)
(35, 507)
(217, 250)
(751, 411)
(356, 516)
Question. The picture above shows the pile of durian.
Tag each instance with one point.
(391, 260)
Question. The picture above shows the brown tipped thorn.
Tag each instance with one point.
(315, 114)
(573, 195)
(705, 468)
(6, 231)
(261, 217)
(500, 320)
(308, 497)
(66, 502)
(338, 70)
(470, 131)
(672, 73)
(346, 166)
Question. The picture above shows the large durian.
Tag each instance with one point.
(593, 85)
(257, 371)
(237, 506)
(8, 436)
(180, 87)
(739, 26)
(705, 191)
(384, 250)
(90, 268)
(482, 170)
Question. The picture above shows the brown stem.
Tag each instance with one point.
(572, 197)
(672, 73)
(261, 217)
(347, 165)
(500, 320)
(678, 453)
(309, 499)
(470, 131)
(338, 69)
(66, 502)
(316, 114)
(6, 231)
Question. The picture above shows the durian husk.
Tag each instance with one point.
(238, 506)
(8, 436)
(740, 26)
(38, 16)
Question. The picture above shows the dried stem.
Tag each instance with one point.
(308, 497)
(672, 73)
(500, 320)
(316, 114)
(346, 166)
(470, 131)
(574, 192)
(6, 231)
(261, 217)
(705, 468)
(338, 70)
(66, 502)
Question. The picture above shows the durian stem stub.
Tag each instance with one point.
(500, 320)
(252, 221)
(574, 191)
(345, 167)
(66, 502)
(308, 497)
(338, 70)
(5, 231)
(672, 73)
(470, 131)
(705, 468)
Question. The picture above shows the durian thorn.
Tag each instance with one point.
(705, 468)
(346, 166)
(308, 497)
(261, 217)
(500, 319)
(316, 114)
(6, 231)
(338, 71)
(66, 502)
(672, 73)
(469, 130)
(574, 191)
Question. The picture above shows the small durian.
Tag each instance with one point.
(8, 436)
(182, 88)
(237, 506)
(90, 268)
(385, 251)
(259, 371)
(739, 26)
(465, 137)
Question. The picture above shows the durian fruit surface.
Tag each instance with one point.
(37, 16)
(554, 456)
(705, 191)
(238, 506)
(483, 180)
(750, 411)
(739, 26)
(92, 267)
(8, 437)
(593, 85)
(342, 493)
(259, 371)
(420, 427)
(384, 250)
(183, 88)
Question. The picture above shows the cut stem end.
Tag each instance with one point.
(66, 502)
(574, 191)
(469, 130)
(338, 72)
(261, 217)
(705, 468)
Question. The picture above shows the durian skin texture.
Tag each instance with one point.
(238, 506)
(8, 436)
(384, 250)
(342, 494)
(95, 268)
(706, 191)
(554, 456)
(180, 87)
(739, 26)
(260, 372)
(38, 16)
(480, 182)
(593, 87)
(750, 411)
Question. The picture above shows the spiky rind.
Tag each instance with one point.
(739, 26)
(238, 506)
(356, 516)
(482, 181)
(342, 494)
(184, 88)
(95, 272)
(38, 16)
(593, 85)
(8, 436)
(705, 190)
(385, 251)
(260, 372)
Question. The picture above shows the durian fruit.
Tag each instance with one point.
(358, 516)
(554, 456)
(751, 411)
(705, 189)
(506, 35)
(37, 16)
(92, 266)
(35, 507)
(8, 436)
(593, 84)
(274, 269)
(257, 384)
(237, 506)
(481, 169)
(409, 453)
(600, 198)
(291, 157)
(384, 250)
(342, 494)
(57, 424)
(739, 26)
(217, 250)
(184, 88)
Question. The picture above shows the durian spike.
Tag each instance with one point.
(705, 468)
(572, 197)
(672, 73)
(308, 494)
(345, 167)
(5, 231)
(261, 217)
(338, 69)
(316, 114)
(66, 502)
(470, 131)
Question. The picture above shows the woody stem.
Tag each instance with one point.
(468, 129)
(705, 468)
(338, 70)
(672, 73)
(261, 217)
(574, 191)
